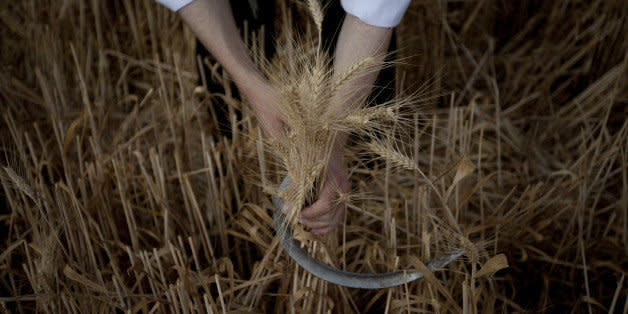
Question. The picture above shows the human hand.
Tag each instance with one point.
(264, 100)
(327, 212)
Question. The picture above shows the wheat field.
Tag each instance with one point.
(507, 137)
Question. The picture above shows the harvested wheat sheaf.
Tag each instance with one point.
(508, 138)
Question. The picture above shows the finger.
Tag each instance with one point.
(285, 208)
(321, 207)
(319, 222)
(322, 231)
(317, 211)
(329, 220)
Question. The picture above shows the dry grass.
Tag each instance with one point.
(120, 194)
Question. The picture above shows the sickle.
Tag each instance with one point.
(340, 277)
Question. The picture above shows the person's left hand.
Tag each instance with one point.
(328, 211)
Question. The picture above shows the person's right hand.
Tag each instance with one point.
(264, 102)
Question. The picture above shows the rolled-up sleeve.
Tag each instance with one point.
(175, 5)
(382, 13)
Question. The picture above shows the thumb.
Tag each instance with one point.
(285, 208)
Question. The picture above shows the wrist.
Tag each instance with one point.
(247, 77)
(250, 83)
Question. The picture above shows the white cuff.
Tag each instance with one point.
(175, 5)
(381, 13)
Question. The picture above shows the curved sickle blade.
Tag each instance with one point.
(340, 277)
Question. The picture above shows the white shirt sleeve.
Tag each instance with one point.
(382, 13)
(175, 5)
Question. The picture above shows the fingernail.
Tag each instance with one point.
(285, 208)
